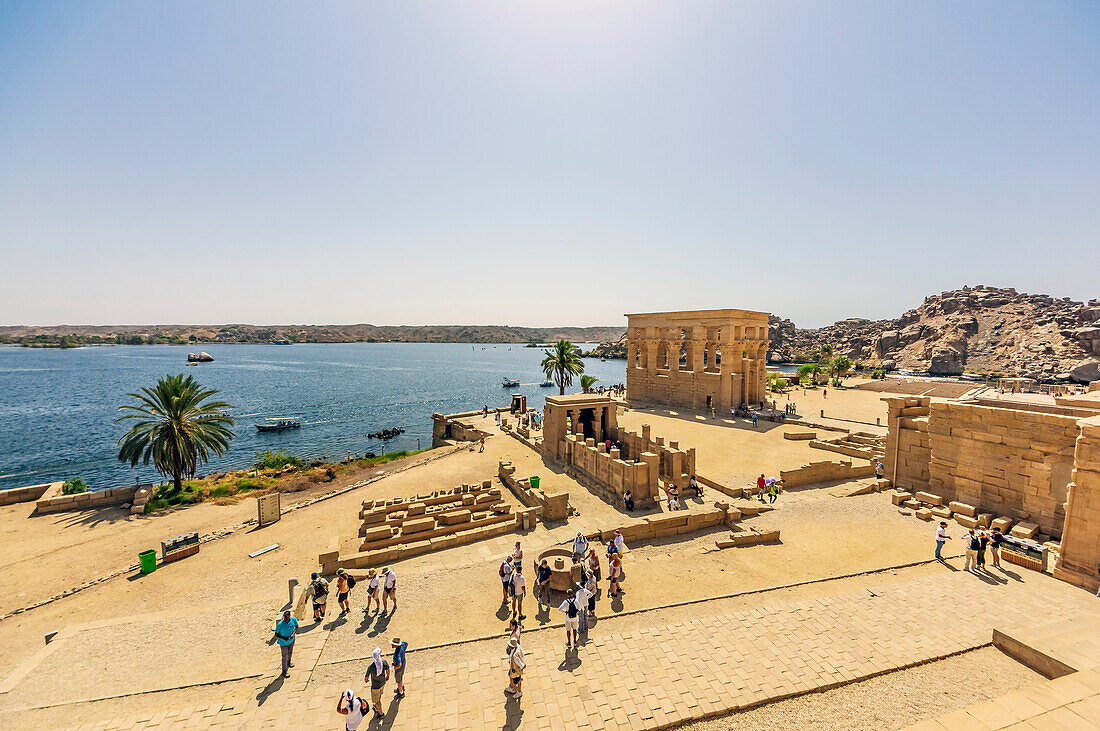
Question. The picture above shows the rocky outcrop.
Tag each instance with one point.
(977, 329)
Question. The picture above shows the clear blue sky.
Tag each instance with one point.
(540, 163)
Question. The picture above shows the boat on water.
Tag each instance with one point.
(546, 384)
(279, 424)
(509, 382)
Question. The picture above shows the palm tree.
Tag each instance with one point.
(587, 382)
(562, 363)
(175, 426)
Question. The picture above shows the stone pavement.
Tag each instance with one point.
(659, 676)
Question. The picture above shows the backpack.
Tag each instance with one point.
(351, 582)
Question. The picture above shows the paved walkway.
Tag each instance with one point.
(663, 675)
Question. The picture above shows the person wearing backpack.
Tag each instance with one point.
(345, 582)
(575, 603)
(318, 589)
(351, 707)
(505, 574)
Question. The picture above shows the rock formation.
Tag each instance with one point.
(976, 329)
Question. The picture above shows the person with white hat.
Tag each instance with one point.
(516, 664)
(378, 672)
(351, 708)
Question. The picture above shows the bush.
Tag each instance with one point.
(270, 460)
(75, 486)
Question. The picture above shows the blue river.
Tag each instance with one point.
(58, 407)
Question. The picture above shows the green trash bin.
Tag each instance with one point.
(534, 483)
(148, 561)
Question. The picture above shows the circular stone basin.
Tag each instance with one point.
(560, 560)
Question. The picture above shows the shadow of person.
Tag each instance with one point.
(269, 689)
(513, 713)
(571, 662)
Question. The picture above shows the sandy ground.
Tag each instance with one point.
(157, 631)
(890, 701)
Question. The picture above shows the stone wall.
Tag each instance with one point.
(26, 494)
(1010, 462)
(552, 506)
(818, 472)
(1079, 555)
(907, 451)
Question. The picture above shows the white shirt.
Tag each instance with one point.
(580, 601)
(355, 715)
(391, 580)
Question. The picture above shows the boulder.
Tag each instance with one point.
(1086, 372)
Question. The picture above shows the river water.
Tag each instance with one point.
(57, 407)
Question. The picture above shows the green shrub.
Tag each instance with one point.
(75, 486)
(276, 460)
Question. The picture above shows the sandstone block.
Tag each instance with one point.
(966, 521)
(929, 498)
(1024, 530)
(968, 510)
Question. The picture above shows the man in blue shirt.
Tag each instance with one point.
(284, 635)
(399, 666)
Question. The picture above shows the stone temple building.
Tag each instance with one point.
(697, 359)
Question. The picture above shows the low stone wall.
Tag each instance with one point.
(552, 506)
(26, 494)
(818, 472)
(52, 501)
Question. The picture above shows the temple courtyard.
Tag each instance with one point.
(845, 620)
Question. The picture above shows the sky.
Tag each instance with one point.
(541, 164)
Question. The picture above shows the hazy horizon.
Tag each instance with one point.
(533, 165)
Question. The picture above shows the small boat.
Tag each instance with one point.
(509, 382)
(279, 424)
(546, 384)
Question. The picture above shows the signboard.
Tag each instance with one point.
(269, 507)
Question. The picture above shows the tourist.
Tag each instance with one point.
(389, 588)
(516, 664)
(351, 707)
(616, 570)
(374, 591)
(519, 590)
(580, 547)
(505, 574)
(995, 541)
(761, 487)
(378, 672)
(773, 491)
(344, 584)
(983, 541)
(620, 543)
(284, 636)
(318, 589)
(594, 563)
(628, 501)
(972, 544)
(517, 556)
(542, 583)
(693, 484)
(574, 604)
(941, 538)
(399, 648)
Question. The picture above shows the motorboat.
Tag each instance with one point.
(279, 424)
